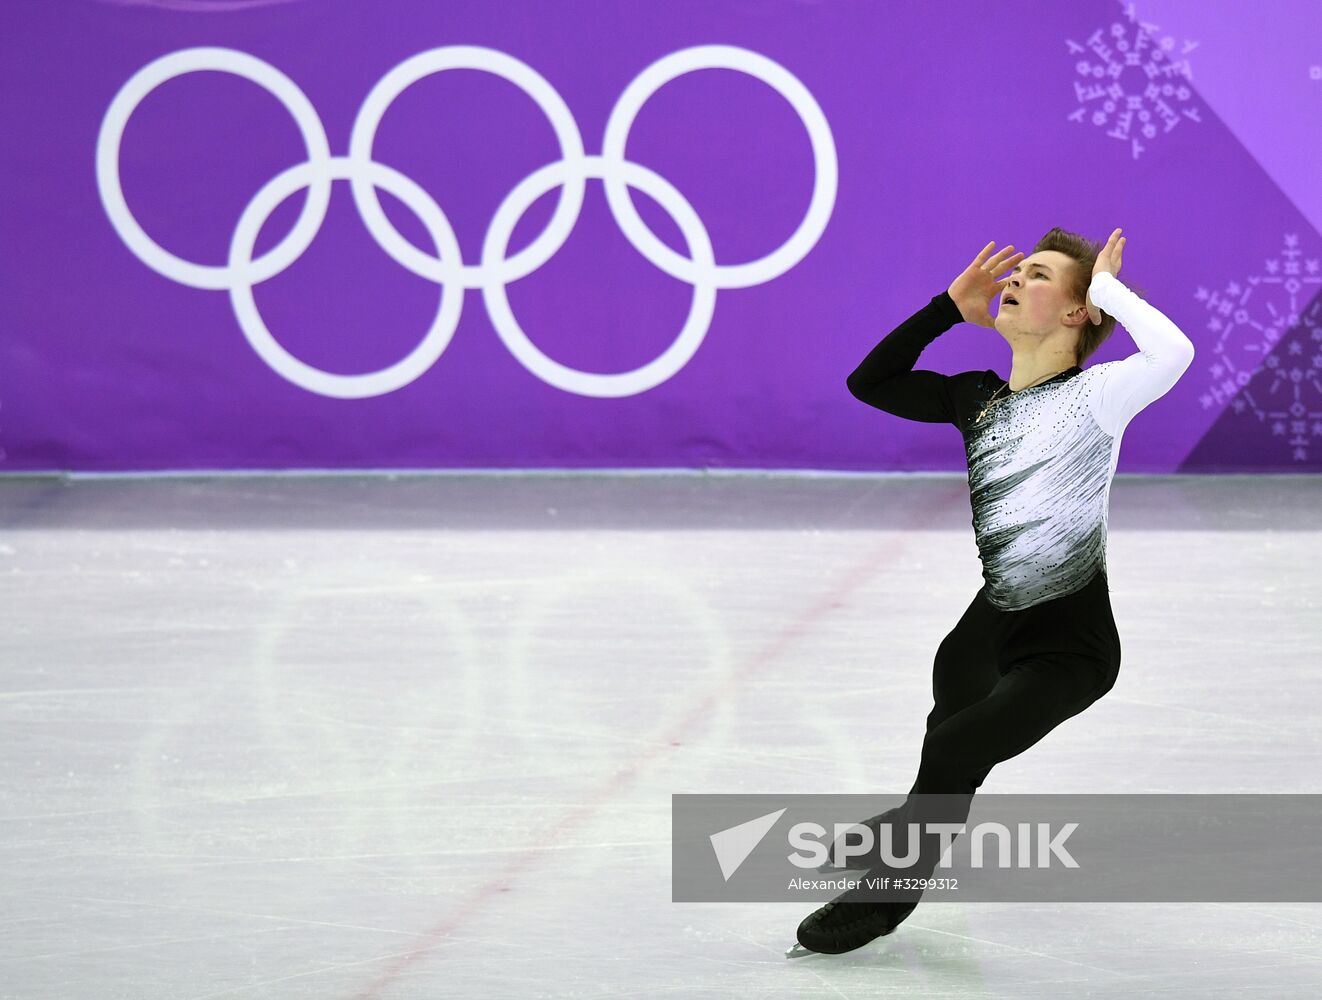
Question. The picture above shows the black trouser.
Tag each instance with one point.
(1001, 681)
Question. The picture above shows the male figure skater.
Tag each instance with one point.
(1038, 643)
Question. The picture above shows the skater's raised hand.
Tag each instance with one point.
(973, 290)
(1108, 259)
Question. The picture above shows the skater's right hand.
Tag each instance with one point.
(973, 290)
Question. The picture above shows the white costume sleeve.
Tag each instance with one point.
(1164, 353)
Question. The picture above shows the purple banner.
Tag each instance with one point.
(247, 235)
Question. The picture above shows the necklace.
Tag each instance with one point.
(994, 400)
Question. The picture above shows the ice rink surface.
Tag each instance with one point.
(416, 736)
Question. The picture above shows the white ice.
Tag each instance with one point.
(416, 736)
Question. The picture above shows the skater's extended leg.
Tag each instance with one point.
(964, 671)
(1033, 697)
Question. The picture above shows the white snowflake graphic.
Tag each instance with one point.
(1131, 83)
(1281, 388)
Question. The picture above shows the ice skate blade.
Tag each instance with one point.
(799, 951)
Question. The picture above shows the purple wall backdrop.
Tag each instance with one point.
(812, 172)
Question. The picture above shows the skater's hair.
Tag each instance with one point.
(1084, 253)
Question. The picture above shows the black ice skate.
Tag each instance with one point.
(843, 925)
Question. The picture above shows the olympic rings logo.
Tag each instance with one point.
(446, 267)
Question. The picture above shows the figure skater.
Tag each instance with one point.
(1038, 644)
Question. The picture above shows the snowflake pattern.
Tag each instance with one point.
(1161, 96)
(1279, 388)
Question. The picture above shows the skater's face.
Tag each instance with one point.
(1040, 285)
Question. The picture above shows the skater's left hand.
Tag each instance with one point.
(1108, 259)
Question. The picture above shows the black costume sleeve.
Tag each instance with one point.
(886, 378)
